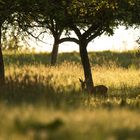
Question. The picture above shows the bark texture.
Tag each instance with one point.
(54, 53)
(86, 66)
(2, 74)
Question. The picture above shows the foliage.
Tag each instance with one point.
(12, 38)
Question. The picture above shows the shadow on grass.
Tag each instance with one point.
(21, 59)
(25, 126)
(38, 130)
(56, 130)
(125, 91)
(106, 58)
(126, 133)
(14, 93)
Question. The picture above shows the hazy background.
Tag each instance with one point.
(122, 40)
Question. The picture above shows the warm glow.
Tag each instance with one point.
(121, 40)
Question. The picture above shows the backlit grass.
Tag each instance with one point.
(46, 103)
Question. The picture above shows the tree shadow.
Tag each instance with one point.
(127, 133)
(25, 126)
(18, 93)
(38, 128)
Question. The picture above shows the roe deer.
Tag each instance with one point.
(100, 90)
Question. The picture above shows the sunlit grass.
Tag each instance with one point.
(65, 77)
(46, 103)
(39, 122)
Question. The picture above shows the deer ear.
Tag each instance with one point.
(80, 80)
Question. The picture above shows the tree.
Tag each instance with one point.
(1, 58)
(47, 14)
(90, 19)
(49, 19)
(7, 8)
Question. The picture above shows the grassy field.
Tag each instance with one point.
(40, 102)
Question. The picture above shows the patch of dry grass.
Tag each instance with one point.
(46, 103)
(39, 122)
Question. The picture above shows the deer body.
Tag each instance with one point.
(100, 90)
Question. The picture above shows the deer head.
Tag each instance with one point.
(83, 84)
(100, 90)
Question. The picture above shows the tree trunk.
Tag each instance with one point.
(86, 66)
(54, 53)
(2, 74)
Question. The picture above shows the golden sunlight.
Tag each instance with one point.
(122, 40)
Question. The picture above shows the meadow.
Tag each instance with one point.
(43, 102)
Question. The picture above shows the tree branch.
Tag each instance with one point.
(97, 33)
(91, 29)
(69, 39)
(76, 30)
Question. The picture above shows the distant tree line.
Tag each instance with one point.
(88, 19)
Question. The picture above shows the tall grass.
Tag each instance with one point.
(43, 102)
(107, 58)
